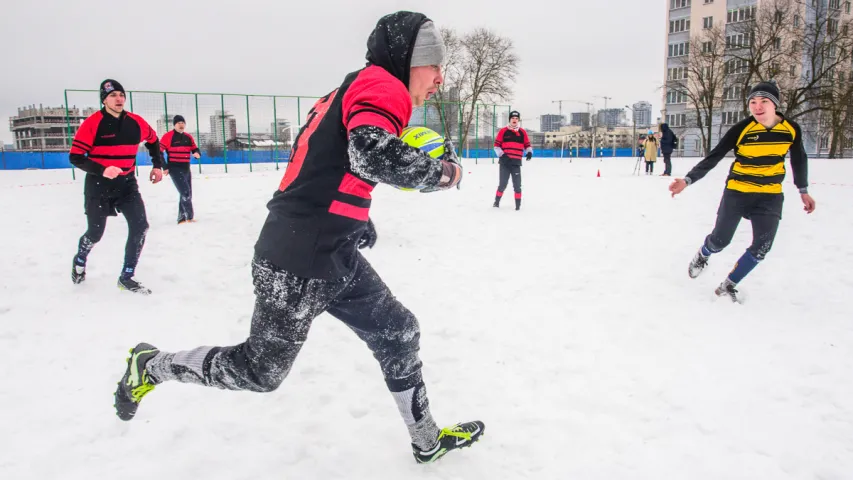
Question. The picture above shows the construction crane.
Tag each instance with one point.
(560, 103)
(605, 99)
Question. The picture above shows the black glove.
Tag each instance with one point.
(529, 156)
(368, 238)
(504, 158)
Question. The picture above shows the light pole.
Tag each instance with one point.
(634, 122)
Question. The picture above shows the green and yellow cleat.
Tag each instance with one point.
(135, 383)
(458, 436)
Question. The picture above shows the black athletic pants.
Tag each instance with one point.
(105, 198)
(182, 178)
(650, 166)
(285, 307)
(506, 172)
(667, 161)
(762, 209)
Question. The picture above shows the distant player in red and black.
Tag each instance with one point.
(105, 148)
(306, 258)
(511, 144)
(179, 146)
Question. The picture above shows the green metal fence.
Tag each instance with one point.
(252, 129)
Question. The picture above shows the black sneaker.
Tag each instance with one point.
(78, 272)
(132, 285)
(729, 288)
(458, 436)
(135, 383)
(497, 204)
(698, 264)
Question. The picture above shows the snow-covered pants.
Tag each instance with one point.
(285, 306)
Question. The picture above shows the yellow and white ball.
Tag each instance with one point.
(424, 139)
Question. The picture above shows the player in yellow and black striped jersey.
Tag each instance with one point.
(754, 184)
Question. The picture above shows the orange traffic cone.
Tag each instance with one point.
(599, 173)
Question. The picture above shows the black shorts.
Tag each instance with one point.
(748, 204)
(104, 197)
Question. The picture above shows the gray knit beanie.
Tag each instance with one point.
(429, 46)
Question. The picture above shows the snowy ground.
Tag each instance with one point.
(570, 328)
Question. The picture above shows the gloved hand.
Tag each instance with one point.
(529, 156)
(451, 175)
(504, 158)
(450, 151)
(368, 238)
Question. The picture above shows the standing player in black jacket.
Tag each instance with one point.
(511, 143)
(754, 185)
(306, 259)
(105, 148)
(179, 146)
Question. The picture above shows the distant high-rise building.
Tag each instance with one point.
(550, 122)
(222, 123)
(580, 119)
(40, 129)
(611, 117)
(282, 130)
(643, 113)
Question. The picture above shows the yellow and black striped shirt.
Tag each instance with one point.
(759, 165)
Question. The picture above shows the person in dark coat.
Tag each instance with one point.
(668, 143)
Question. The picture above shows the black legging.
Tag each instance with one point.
(133, 209)
(183, 180)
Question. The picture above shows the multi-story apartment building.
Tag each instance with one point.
(688, 19)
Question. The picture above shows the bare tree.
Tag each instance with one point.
(700, 80)
(480, 66)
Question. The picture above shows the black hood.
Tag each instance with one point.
(391, 43)
(664, 127)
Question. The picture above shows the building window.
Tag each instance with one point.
(796, 20)
(741, 14)
(824, 142)
(777, 43)
(677, 73)
(731, 118)
(673, 4)
(846, 7)
(795, 46)
(675, 97)
(707, 47)
(680, 25)
(793, 70)
(741, 40)
(831, 26)
(679, 49)
(835, 4)
(707, 22)
(708, 1)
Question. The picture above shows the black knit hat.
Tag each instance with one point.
(178, 118)
(767, 90)
(108, 86)
(514, 113)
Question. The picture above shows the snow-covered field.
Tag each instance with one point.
(570, 328)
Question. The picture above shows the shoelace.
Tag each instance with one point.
(455, 431)
(140, 391)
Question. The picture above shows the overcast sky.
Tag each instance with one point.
(569, 49)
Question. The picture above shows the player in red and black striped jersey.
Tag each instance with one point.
(179, 146)
(105, 147)
(511, 144)
(307, 260)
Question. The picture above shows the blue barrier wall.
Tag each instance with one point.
(46, 160)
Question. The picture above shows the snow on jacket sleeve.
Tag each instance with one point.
(379, 156)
